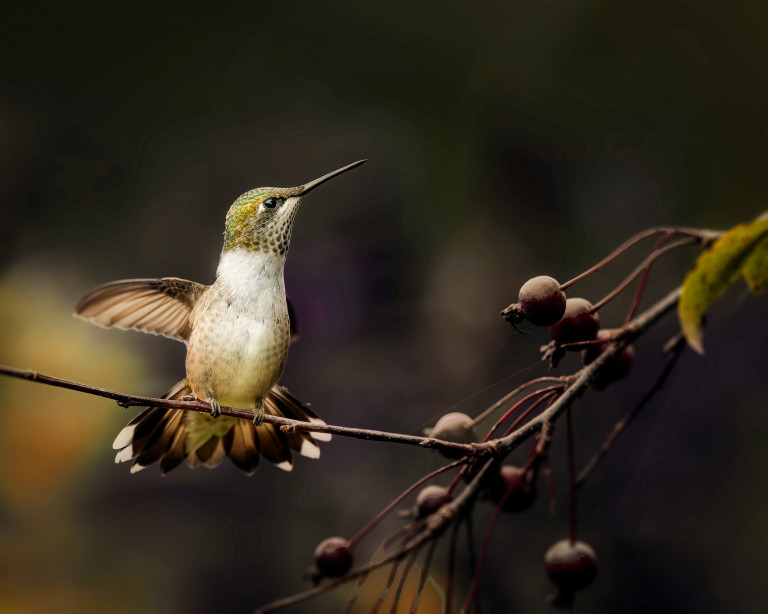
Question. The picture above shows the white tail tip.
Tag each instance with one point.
(124, 437)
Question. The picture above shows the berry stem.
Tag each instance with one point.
(700, 236)
(354, 595)
(456, 479)
(393, 572)
(481, 559)
(403, 579)
(642, 267)
(387, 510)
(571, 475)
(580, 344)
(387, 586)
(406, 531)
(644, 281)
(550, 397)
(509, 395)
(487, 538)
(402, 531)
(550, 487)
(424, 575)
(520, 403)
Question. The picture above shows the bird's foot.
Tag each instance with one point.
(215, 407)
(258, 419)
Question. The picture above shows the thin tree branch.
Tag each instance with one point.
(286, 424)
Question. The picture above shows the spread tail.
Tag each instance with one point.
(171, 436)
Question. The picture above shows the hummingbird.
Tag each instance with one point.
(237, 332)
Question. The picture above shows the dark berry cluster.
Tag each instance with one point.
(573, 323)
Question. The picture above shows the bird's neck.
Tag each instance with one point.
(248, 273)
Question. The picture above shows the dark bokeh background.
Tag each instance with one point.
(504, 140)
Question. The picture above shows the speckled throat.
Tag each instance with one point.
(262, 219)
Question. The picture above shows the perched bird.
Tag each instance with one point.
(237, 332)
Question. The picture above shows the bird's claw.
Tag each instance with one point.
(258, 419)
(215, 408)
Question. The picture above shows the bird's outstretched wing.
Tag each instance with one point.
(157, 306)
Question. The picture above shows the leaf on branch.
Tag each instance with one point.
(756, 267)
(743, 250)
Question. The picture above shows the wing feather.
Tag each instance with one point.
(157, 306)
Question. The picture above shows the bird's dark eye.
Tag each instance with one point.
(270, 203)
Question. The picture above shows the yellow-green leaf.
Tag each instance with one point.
(756, 267)
(718, 268)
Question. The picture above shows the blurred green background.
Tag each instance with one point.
(504, 140)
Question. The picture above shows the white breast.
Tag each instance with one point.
(241, 336)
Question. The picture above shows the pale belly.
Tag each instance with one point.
(236, 353)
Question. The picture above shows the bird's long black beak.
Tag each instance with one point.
(313, 184)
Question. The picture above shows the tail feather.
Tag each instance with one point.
(218, 455)
(205, 451)
(292, 441)
(175, 453)
(273, 446)
(244, 452)
(157, 444)
(192, 460)
(166, 435)
(291, 407)
(211, 453)
(138, 428)
(146, 435)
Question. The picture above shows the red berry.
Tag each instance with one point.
(430, 499)
(577, 324)
(616, 368)
(541, 301)
(513, 480)
(333, 557)
(571, 566)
